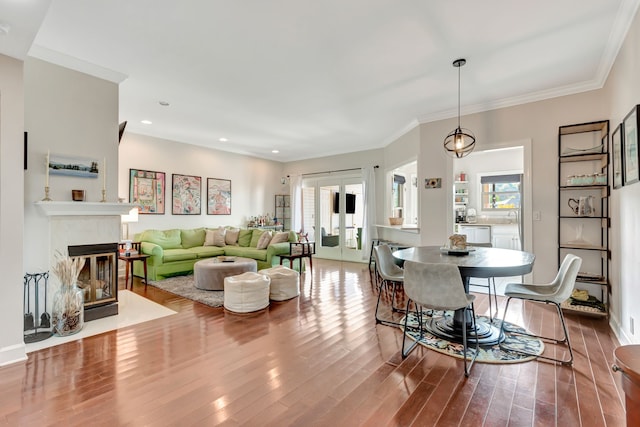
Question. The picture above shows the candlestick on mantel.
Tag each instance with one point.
(104, 174)
(46, 171)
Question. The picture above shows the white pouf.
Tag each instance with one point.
(246, 292)
(284, 282)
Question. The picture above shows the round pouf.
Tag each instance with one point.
(246, 292)
(284, 282)
(209, 273)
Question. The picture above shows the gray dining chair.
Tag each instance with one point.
(555, 292)
(388, 274)
(438, 287)
(491, 282)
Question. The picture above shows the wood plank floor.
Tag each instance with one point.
(317, 360)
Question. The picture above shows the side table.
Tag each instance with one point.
(129, 259)
(300, 250)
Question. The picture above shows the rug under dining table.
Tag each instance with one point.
(497, 353)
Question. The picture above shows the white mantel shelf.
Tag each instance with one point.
(54, 208)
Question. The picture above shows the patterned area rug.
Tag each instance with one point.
(498, 353)
(184, 286)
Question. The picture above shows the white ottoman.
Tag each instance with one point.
(284, 282)
(246, 292)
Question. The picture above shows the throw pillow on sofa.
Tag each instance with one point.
(280, 237)
(192, 238)
(264, 240)
(231, 236)
(167, 239)
(255, 236)
(215, 237)
(244, 238)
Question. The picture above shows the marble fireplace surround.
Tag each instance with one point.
(80, 223)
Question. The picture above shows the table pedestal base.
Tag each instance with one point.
(444, 327)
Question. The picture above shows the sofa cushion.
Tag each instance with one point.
(166, 239)
(192, 237)
(207, 251)
(280, 237)
(231, 236)
(244, 238)
(264, 240)
(255, 237)
(257, 254)
(215, 237)
(178, 255)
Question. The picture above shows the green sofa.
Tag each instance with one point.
(174, 252)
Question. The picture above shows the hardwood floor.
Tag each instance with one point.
(318, 360)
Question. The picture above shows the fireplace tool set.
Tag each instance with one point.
(38, 327)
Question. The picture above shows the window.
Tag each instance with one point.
(397, 191)
(500, 191)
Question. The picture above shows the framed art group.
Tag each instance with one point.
(624, 148)
(147, 190)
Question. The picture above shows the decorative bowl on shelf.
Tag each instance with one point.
(395, 221)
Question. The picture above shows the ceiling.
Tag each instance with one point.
(319, 78)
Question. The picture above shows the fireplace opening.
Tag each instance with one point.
(98, 278)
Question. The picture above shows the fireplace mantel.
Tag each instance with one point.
(63, 208)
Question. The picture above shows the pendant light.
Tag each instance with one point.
(461, 141)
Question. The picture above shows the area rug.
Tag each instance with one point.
(184, 286)
(498, 353)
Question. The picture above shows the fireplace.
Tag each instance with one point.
(98, 278)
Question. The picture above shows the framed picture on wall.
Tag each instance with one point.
(218, 196)
(185, 191)
(146, 189)
(616, 152)
(630, 147)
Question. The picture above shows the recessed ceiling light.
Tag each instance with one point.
(163, 103)
(275, 151)
(223, 140)
(146, 122)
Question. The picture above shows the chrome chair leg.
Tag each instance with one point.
(420, 329)
(565, 339)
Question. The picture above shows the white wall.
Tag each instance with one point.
(621, 93)
(67, 113)
(254, 182)
(11, 217)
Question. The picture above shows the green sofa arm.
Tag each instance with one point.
(277, 249)
(156, 252)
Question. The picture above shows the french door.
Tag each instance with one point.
(333, 213)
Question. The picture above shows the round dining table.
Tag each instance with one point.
(478, 262)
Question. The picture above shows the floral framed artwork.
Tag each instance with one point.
(218, 196)
(630, 147)
(185, 192)
(616, 152)
(146, 189)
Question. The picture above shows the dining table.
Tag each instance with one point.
(478, 262)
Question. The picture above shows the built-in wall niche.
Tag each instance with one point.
(403, 193)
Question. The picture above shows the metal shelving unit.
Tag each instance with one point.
(583, 207)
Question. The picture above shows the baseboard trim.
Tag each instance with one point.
(13, 354)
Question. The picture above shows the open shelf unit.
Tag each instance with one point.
(583, 207)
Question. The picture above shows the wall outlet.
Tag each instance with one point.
(632, 326)
(537, 215)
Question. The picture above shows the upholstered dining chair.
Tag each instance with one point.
(438, 287)
(554, 293)
(491, 282)
(388, 273)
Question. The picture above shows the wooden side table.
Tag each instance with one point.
(129, 259)
(300, 250)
